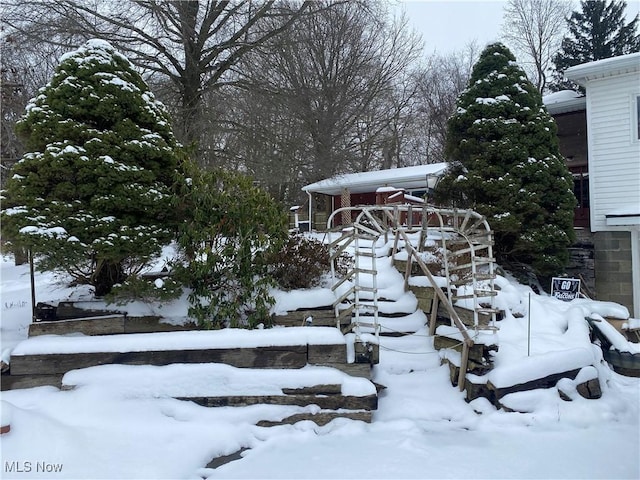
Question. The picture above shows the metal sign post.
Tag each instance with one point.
(529, 328)
(33, 286)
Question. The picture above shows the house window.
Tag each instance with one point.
(581, 189)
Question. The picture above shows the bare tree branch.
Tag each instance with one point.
(194, 44)
(534, 30)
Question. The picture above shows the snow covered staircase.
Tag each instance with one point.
(466, 247)
(368, 303)
(354, 295)
(470, 267)
(371, 223)
(312, 393)
(296, 367)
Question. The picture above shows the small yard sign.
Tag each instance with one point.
(565, 288)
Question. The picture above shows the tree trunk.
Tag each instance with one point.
(106, 276)
(21, 255)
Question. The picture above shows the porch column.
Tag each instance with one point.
(345, 201)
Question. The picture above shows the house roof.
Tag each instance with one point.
(564, 101)
(407, 178)
(607, 67)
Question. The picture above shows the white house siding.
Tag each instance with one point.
(614, 150)
(612, 86)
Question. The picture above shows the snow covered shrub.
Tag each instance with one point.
(92, 195)
(229, 228)
(301, 263)
(505, 163)
(137, 287)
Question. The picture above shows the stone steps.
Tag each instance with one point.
(323, 392)
(262, 349)
(62, 361)
(320, 418)
(335, 401)
(393, 323)
(291, 356)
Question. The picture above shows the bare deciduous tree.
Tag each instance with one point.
(335, 72)
(194, 44)
(438, 86)
(534, 30)
(25, 66)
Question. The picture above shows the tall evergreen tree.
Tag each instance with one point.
(596, 32)
(506, 165)
(92, 194)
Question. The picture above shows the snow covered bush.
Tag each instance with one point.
(140, 288)
(302, 263)
(229, 227)
(92, 195)
(505, 164)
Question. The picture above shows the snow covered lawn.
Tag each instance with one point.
(118, 421)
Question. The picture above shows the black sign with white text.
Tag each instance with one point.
(565, 288)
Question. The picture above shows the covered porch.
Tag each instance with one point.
(396, 185)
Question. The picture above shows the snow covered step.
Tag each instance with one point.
(105, 325)
(394, 326)
(480, 354)
(320, 418)
(484, 276)
(217, 385)
(466, 315)
(621, 354)
(477, 261)
(531, 373)
(316, 317)
(476, 294)
(216, 380)
(335, 401)
(14, 382)
(272, 348)
(362, 370)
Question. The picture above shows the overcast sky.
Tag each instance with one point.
(448, 25)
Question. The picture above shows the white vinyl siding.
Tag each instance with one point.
(614, 149)
(637, 117)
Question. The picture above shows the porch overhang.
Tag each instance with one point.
(409, 178)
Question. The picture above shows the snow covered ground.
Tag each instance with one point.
(118, 423)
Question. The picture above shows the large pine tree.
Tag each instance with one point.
(92, 195)
(506, 165)
(596, 32)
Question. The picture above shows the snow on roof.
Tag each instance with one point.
(407, 177)
(564, 101)
(620, 65)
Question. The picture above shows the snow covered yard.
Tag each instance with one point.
(109, 427)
